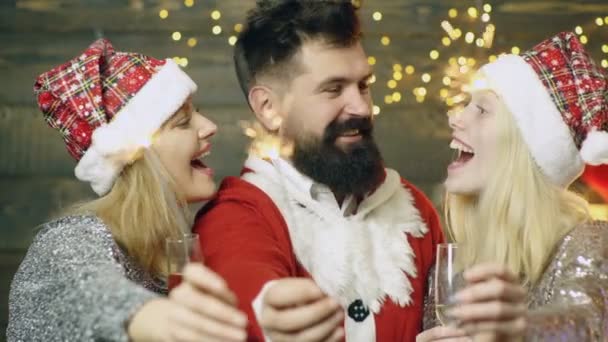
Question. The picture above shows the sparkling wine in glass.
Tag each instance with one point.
(448, 281)
(181, 251)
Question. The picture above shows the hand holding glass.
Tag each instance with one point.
(448, 281)
(181, 251)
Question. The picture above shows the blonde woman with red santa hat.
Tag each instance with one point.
(535, 263)
(99, 273)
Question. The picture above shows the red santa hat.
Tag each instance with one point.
(107, 105)
(559, 98)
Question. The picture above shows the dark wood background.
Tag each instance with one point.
(36, 175)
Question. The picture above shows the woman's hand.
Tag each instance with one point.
(201, 308)
(443, 334)
(492, 307)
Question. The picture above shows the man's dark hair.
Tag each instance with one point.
(276, 29)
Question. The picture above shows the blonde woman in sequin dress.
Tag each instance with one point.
(99, 274)
(536, 263)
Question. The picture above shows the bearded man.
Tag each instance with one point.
(325, 243)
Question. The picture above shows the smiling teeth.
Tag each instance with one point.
(351, 132)
(202, 156)
(455, 145)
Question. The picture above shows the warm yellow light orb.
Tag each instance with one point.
(469, 37)
(396, 96)
(472, 12)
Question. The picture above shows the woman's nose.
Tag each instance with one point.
(455, 120)
(207, 128)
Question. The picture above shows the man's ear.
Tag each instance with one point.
(265, 105)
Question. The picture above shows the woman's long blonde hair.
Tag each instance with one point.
(520, 217)
(142, 210)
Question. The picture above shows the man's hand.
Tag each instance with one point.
(295, 309)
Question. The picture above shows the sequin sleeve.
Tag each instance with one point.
(69, 287)
(570, 302)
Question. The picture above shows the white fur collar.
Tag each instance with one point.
(364, 256)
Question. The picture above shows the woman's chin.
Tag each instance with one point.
(455, 186)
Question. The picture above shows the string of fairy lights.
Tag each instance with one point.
(463, 51)
(192, 42)
(466, 43)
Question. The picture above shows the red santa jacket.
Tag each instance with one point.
(246, 240)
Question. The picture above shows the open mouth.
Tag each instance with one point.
(464, 153)
(350, 133)
(350, 130)
(198, 164)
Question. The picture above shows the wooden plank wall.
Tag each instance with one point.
(36, 175)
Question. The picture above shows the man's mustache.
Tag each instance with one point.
(335, 129)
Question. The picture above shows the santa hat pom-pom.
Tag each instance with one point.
(97, 170)
(595, 148)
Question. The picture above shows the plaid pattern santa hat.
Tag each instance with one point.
(559, 98)
(107, 105)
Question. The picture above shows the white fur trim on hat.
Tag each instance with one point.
(539, 120)
(133, 127)
(99, 171)
(595, 148)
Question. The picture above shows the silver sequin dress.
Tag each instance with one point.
(76, 284)
(570, 301)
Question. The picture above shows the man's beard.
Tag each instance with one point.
(356, 170)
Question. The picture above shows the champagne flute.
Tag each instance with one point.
(448, 280)
(181, 251)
